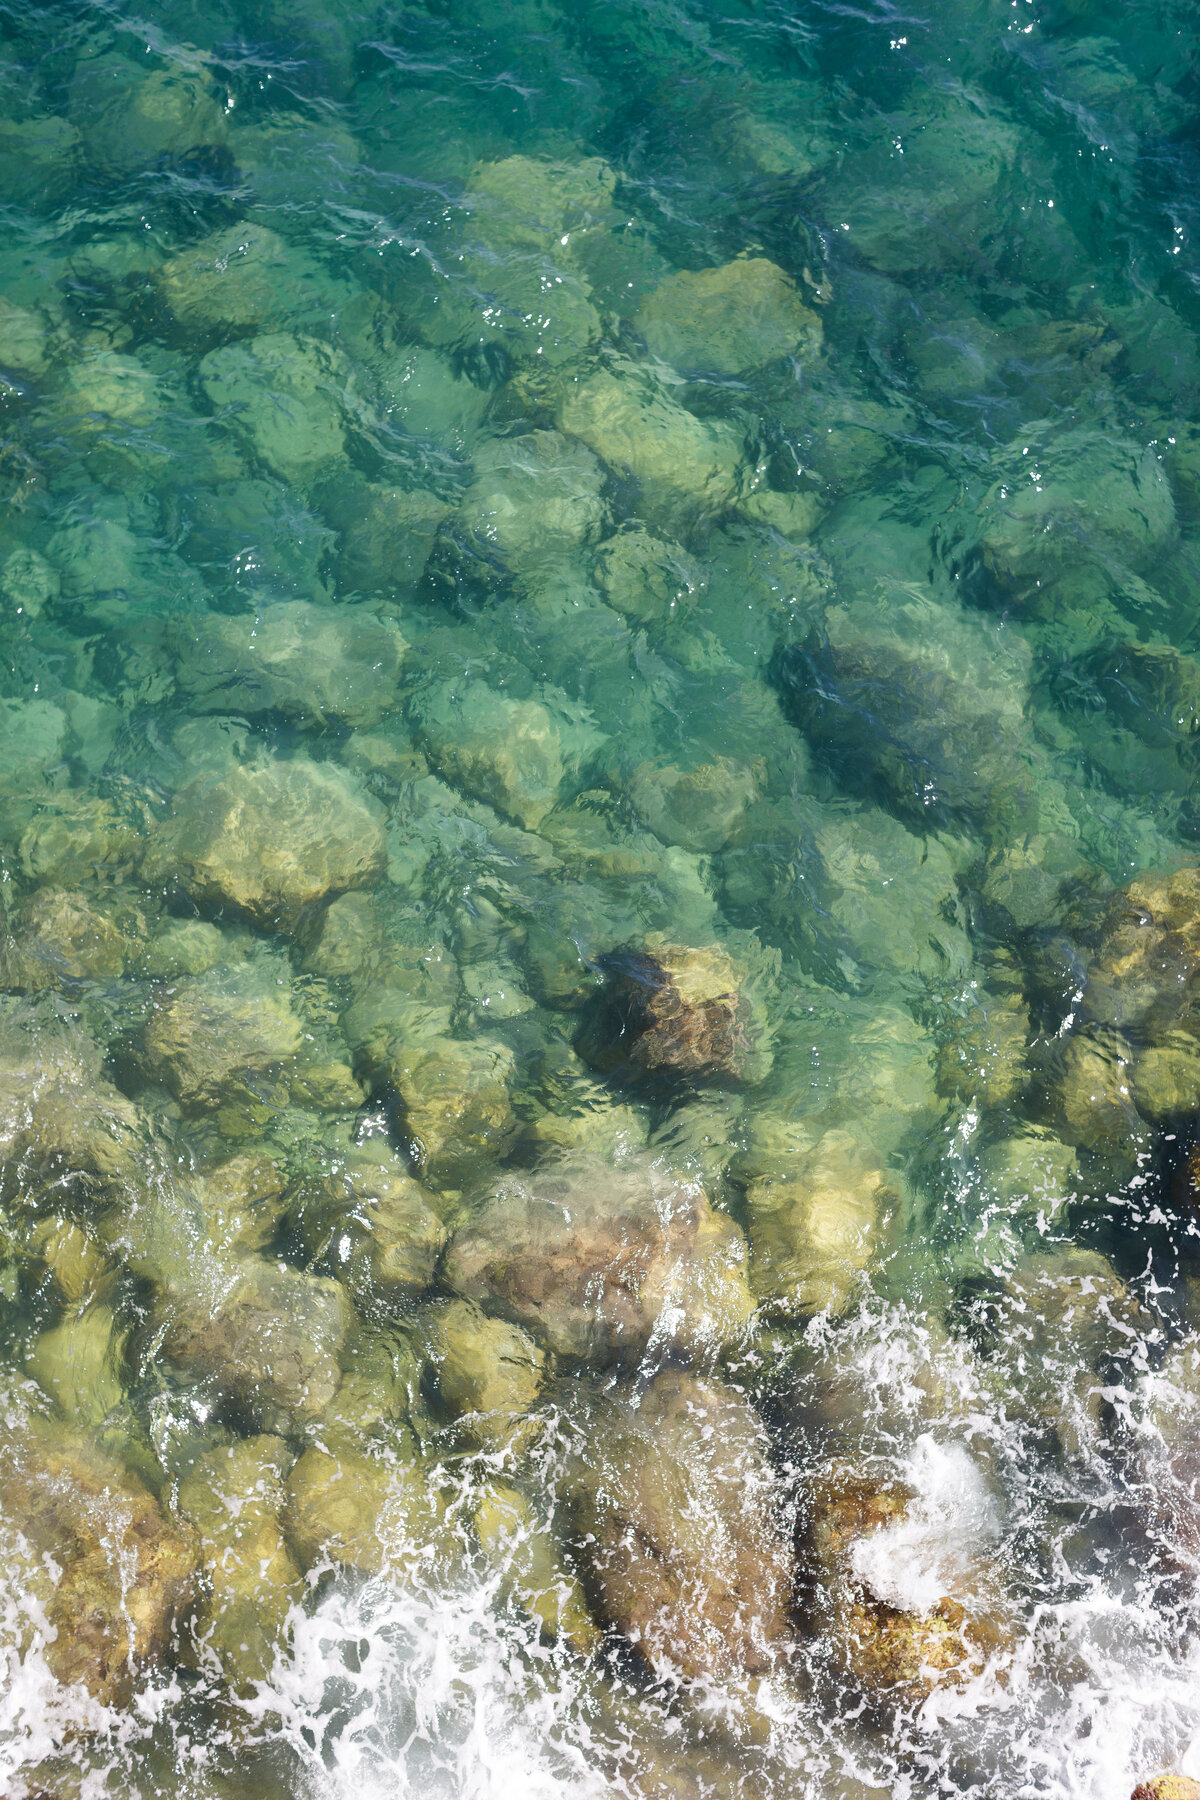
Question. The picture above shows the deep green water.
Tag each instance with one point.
(512, 518)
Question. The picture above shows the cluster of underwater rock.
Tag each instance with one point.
(416, 1043)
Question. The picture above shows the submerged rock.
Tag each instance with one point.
(360, 1512)
(78, 1363)
(489, 1372)
(285, 398)
(233, 1496)
(63, 939)
(697, 808)
(268, 1340)
(237, 280)
(62, 1124)
(730, 320)
(373, 1226)
(502, 750)
(682, 1524)
(935, 716)
(311, 663)
(454, 1105)
(132, 116)
(232, 1029)
(815, 1226)
(605, 1263)
(636, 427)
(271, 840)
(119, 1573)
(533, 1573)
(650, 580)
(669, 1013)
(534, 499)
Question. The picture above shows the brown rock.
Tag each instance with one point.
(602, 1262)
(682, 1523)
(882, 1645)
(668, 1013)
(126, 1570)
(1167, 1787)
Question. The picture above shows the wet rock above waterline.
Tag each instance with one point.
(271, 840)
(899, 1579)
(605, 1263)
(668, 1013)
(125, 1572)
(311, 663)
(683, 1527)
(1167, 1787)
(729, 320)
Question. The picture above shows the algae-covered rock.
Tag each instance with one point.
(682, 1524)
(698, 808)
(814, 1228)
(982, 1055)
(603, 1262)
(729, 320)
(387, 541)
(534, 1575)
(1069, 496)
(33, 736)
(271, 840)
(268, 1341)
(371, 1224)
(124, 1571)
(78, 1363)
(61, 1121)
(637, 428)
(132, 116)
(233, 1496)
(489, 1372)
(935, 716)
(311, 663)
(105, 391)
(359, 1512)
(228, 1030)
(285, 398)
(650, 580)
(454, 1106)
(237, 280)
(1095, 1107)
(73, 1263)
(534, 498)
(900, 1585)
(62, 939)
(504, 751)
(529, 202)
(669, 1013)
(188, 947)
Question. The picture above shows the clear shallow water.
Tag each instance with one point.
(598, 616)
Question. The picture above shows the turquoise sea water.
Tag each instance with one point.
(598, 818)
